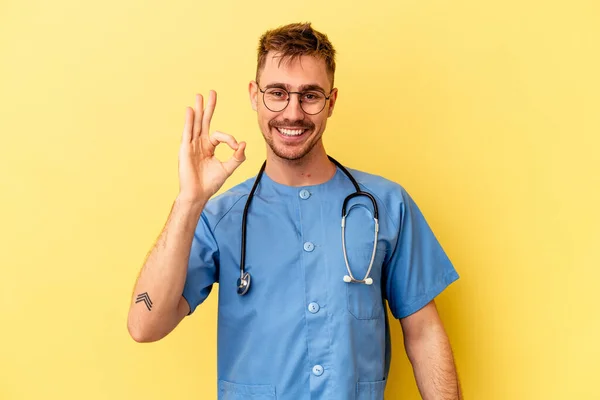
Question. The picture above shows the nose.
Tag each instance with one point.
(293, 111)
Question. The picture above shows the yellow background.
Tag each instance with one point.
(486, 112)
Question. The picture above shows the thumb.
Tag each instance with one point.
(236, 159)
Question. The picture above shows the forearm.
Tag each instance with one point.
(433, 364)
(158, 289)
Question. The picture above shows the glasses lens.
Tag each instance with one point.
(276, 99)
(312, 102)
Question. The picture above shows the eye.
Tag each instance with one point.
(312, 96)
(277, 94)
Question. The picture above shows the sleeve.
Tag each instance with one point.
(418, 269)
(203, 265)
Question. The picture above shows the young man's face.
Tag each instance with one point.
(293, 132)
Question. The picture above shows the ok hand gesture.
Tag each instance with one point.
(201, 174)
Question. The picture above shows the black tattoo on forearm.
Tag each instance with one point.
(146, 299)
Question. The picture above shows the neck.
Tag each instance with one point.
(312, 169)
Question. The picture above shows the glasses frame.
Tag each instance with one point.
(299, 99)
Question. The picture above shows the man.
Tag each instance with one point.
(304, 316)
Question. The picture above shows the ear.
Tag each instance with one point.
(332, 100)
(253, 93)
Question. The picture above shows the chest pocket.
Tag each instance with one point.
(363, 301)
(236, 391)
(366, 301)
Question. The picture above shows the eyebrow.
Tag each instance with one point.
(302, 88)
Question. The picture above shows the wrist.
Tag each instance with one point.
(190, 204)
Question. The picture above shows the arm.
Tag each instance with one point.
(161, 280)
(430, 354)
(157, 305)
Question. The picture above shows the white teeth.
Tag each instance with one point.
(291, 132)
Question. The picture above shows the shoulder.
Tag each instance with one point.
(222, 204)
(385, 189)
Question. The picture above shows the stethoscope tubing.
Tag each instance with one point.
(243, 283)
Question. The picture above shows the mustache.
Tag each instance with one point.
(286, 123)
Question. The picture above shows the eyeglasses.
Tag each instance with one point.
(311, 101)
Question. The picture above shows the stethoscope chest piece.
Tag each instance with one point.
(243, 284)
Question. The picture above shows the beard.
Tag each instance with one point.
(291, 153)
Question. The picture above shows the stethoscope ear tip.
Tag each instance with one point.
(348, 279)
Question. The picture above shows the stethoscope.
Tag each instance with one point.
(243, 283)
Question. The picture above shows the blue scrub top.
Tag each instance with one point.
(301, 332)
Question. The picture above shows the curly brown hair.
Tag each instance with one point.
(292, 41)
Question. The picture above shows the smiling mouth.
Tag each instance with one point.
(291, 132)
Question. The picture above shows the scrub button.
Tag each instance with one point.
(304, 194)
(313, 308)
(308, 246)
(318, 370)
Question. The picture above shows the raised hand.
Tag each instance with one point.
(201, 174)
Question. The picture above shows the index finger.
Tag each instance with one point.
(208, 112)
